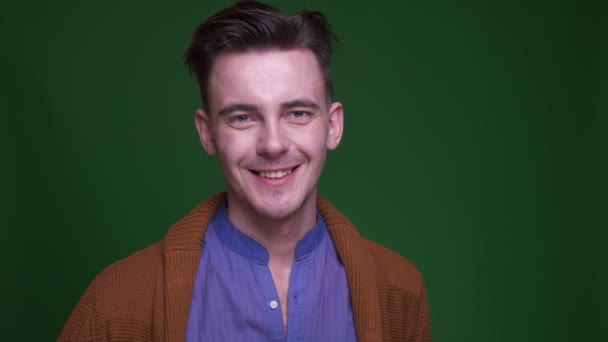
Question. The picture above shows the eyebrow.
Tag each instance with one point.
(300, 103)
(245, 107)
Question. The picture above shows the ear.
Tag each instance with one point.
(203, 126)
(336, 125)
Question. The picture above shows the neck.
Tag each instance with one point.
(279, 236)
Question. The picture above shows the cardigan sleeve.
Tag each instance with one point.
(81, 323)
(424, 319)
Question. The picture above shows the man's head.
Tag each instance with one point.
(267, 114)
(249, 26)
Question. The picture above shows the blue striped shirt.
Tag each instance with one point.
(235, 299)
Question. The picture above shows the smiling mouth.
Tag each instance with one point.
(278, 174)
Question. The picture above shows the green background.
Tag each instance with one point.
(475, 145)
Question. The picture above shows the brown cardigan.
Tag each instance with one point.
(146, 297)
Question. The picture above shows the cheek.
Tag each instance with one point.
(312, 139)
(233, 148)
(313, 146)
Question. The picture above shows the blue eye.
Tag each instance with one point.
(241, 118)
(241, 121)
(298, 114)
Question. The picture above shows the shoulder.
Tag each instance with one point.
(129, 284)
(393, 270)
(380, 278)
(387, 267)
(120, 300)
(132, 278)
(401, 295)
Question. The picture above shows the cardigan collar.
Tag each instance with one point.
(182, 251)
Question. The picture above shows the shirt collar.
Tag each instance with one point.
(247, 247)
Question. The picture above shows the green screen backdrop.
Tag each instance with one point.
(475, 145)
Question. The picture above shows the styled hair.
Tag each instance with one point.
(251, 25)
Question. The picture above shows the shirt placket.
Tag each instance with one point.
(272, 309)
(297, 300)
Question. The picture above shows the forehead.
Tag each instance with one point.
(265, 78)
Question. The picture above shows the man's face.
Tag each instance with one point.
(270, 124)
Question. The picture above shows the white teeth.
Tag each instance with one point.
(274, 174)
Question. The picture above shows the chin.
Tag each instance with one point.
(278, 207)
(275, 212)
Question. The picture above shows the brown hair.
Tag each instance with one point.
(249, 25)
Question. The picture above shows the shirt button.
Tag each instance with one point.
(274, 304)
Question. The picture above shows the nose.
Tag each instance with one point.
(272, 140)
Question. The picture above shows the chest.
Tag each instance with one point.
(235, 298)
(280, 277)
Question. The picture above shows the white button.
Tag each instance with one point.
(274, 304)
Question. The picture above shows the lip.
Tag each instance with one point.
(275, 182)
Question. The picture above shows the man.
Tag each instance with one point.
(268, 260)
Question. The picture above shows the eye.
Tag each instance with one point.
(240, 118)
(300, 117)
(299, 114)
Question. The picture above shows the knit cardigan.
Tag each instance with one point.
(146, 296)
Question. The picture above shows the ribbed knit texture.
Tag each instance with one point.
(146, 297)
